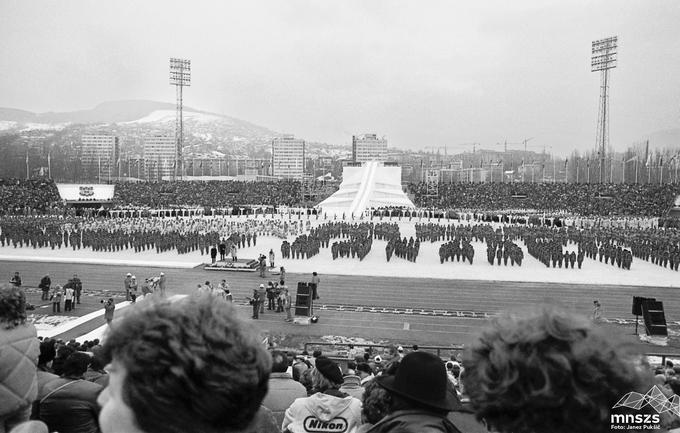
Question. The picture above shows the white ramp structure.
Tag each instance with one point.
(370, 186)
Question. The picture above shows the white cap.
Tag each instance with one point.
(134, 278)
(129, 274)
(377, 359)
(261, 286)
(162, 273)
(400, 349)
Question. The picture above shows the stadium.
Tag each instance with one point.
(170, 269)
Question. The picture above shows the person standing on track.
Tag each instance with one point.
(109, 308)
(162, 283)
(44, 285)
(315, 285)
(77, 288)
(126, 285)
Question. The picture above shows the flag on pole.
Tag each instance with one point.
(632, 159)
(566, 160)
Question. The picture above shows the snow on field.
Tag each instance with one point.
(427, 266)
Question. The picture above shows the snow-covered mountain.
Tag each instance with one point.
(132, 120)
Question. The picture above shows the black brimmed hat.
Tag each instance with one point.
(421, 377)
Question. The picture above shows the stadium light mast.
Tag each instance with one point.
(180, 76)
(604, 58)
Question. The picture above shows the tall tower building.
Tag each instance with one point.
(288, 157)
(368, 147)
(159, 156)
(99, 155)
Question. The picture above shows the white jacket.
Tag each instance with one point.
(321, 413)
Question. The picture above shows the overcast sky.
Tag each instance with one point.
(421, 73)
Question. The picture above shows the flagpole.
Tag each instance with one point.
(636, 170)
(623, 170)
(49, 164)
(99, 170)
(27, 171)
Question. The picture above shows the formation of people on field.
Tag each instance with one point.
(184, 235)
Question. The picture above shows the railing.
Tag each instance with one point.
(344, 354)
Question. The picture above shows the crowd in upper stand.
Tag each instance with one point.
(580, 199)
(41, 196)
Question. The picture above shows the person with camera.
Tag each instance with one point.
(109, 308)
(16, 280)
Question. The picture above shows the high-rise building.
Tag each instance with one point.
(159, 156)
(368, 147)
(288, 156)
(99, 155)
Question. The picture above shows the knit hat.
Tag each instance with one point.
(329, 369)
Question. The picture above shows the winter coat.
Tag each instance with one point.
(19, 350)
(352, 386)
(70, 405)
(108, 311)
(323, 412)
(414, 421)
(283, 391)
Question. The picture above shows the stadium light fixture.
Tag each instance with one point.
(180, 76)
(603, 58)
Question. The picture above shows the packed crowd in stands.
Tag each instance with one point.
(40, 196)
(538, 370)
(578, 199)
(216, 194)
(20, 196)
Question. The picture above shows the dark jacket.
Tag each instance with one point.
(413, 421)
(70, 406)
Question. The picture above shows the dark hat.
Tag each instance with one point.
(421, 377)
(329, 369)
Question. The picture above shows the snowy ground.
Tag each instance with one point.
(427, 266)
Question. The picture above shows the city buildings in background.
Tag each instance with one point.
(159, 155)
(99, 155)
(288, 156)
(368, 147)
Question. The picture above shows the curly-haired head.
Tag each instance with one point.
(547, 370)
(376, 402)
(12, 306)
(191, 365)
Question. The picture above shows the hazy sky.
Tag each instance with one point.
(422, 73)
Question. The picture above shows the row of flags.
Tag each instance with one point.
(647, 163)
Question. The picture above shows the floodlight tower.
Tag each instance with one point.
(180, 76)
(603, 59)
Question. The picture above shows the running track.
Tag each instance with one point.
(419, 295)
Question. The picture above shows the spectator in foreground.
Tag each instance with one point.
(548, 370)
(186, 366)
(327, 406)
(19, 350)
(283, 390)
(69, 403)
(420, 395)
